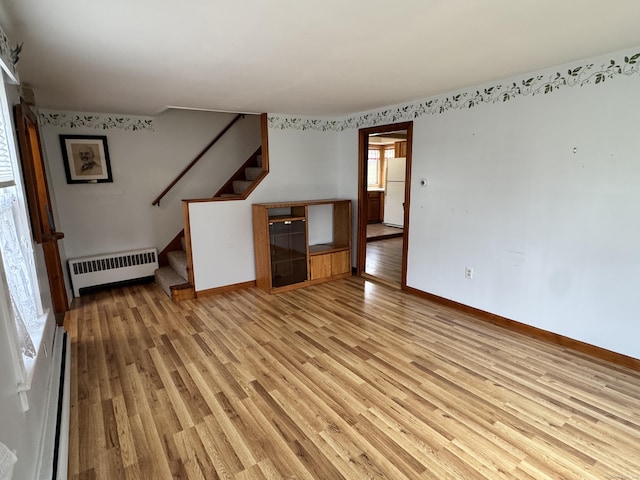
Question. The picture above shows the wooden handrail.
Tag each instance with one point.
(195, 160)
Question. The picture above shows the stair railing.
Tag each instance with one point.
(195, 160)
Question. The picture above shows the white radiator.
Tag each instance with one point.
(111, 268)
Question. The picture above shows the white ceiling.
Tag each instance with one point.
(308, 57)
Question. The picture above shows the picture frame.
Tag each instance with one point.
(86, 158)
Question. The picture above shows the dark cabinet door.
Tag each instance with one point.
(288, 243)
(374, 207)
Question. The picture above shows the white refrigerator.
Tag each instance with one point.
(394, 192)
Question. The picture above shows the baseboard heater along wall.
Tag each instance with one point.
(111, 268)
(53, 457)
(61, 448)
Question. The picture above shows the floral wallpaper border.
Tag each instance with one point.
(97, 121)
(578, 76)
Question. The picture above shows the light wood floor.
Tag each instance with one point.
(381, 230)
(346, 379)
(384, 259)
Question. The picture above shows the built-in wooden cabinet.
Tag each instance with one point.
(285, 255)
(375, 206)
(329, 264)
(400, 149)
(288, 251)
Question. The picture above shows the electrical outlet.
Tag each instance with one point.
(468, 272)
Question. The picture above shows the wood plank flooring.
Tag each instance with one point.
(380, 231)
(343, 380)
(384, 260)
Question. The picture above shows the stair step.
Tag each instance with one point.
(252, 173)
(230, 195)
(166, 277)
(259, 160)
(241, 186)
(178, 261)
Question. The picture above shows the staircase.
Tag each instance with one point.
(245, 179)
(173, 274)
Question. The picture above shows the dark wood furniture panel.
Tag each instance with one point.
(40, 212)
(400, 149)
(284, 259)
(375, 206)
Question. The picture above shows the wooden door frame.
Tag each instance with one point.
(36, 187)
(363, 144)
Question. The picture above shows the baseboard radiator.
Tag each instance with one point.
(61, 451)
(53, 460)
(111, 268)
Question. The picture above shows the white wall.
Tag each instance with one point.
(118, 216)
(348, 186)
(553, 236)
(303, 166)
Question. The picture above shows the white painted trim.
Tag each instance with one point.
(63, 434)
(30, 363)
(45, 467)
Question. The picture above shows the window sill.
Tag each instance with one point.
(38, 339)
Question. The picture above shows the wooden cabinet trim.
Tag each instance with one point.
(324, 262)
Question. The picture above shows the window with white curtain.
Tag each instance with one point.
(373, 167)
(17, 263)
(376, 166)
(6, 168)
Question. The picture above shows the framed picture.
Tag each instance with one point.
(86, 158)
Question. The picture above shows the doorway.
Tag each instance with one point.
(384, 180)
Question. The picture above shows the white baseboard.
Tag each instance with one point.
(55, 435)
(62, 460)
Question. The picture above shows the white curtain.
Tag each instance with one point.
(7, 460)
(16, 272)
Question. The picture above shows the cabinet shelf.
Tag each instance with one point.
(284, 219)
(322, 248)
(283, 257)
(276, 235)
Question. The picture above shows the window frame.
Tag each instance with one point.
(24, 367)
(382, 163)
(378, 161)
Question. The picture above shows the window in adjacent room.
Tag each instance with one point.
(378, 155)
(373, 167)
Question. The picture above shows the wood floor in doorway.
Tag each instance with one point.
(343, 380)
(379, 231)
(384, 259)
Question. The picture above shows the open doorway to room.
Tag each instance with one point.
(383, 202)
